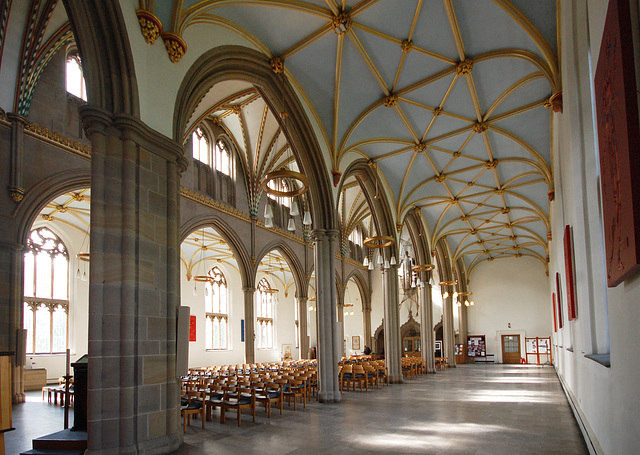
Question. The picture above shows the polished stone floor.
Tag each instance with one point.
(472, 409)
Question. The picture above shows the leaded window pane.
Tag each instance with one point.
(43, 329)
(59, 329)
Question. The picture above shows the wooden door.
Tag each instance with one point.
(411, 346)
(511, 349)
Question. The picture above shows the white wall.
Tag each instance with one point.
(509, 291)
(353, 323)
(605, 398)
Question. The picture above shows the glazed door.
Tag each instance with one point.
(411, 346)
(511, 349)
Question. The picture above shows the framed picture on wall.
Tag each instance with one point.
(355, 343)
(559, 294)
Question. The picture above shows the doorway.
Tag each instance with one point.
(511, 349)
(411, 346)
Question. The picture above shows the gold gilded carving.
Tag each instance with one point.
(398, 227)
(457, 155)
(47, 217)
(176, 46)
(421, 147)
(519, 255)
(549, 236)
(464, 68)
(437, 111)
(390, 101)
(552, 195)
(407, 46)
(3, 117)
(505, 210)
(465, 218)
(499, 191)
(341, 23)
(441, 178)
(47, 135)
(277, 65)
(336, 176)
(16, 193)
(492, 164)
(455, 201)
(480, 127)
(150, 25)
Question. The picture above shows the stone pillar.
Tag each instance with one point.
(11, 311)
(340, 314)
(133, 392)
(249, 326)
(303, 328)
(366, 319)
(464, 328)
(329, 334)
(427, 336)
(18, 122)
(448, 340)
(392, 344)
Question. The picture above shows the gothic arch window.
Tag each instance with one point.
(75, 77)
(46, 293)
(216, 309)
(356, 244)
(200, 146)
(222, 158)
(264, 315)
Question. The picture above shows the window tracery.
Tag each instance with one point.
(216, 309)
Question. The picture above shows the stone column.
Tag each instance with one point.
(249, 326)
(133, 392)
(366, 319)
(18, 122)
(303, 328)
(427, 336)
(329, 335)
(448, 339)
(392, 344)
(464, 328)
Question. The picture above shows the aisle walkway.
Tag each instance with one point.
(472, 409)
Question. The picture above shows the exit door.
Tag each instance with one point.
(511, 349)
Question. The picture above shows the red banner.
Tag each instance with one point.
(192, 328)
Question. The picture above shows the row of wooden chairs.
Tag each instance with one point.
(373, 372)
(57, 392)
(201, 396)
(247, 369)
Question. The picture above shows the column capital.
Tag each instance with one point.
(247, 289)
(98, 120)
(17, 119)
(321, 234)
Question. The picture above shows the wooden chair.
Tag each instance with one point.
(237, 398)
(371, 375)
(271, 392)
(214, 397)
(297, 388)
(194, 406)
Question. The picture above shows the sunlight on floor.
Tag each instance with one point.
(509, 396)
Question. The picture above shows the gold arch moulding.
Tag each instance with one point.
(86, 257)
(379, 241)
(285, 174)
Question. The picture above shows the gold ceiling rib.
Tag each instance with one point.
(336, 94)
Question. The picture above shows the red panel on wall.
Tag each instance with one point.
(559, 294)
(192, 328)
(619, 141)
(555, 317)
(570, 273)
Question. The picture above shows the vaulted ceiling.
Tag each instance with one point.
(449, 98)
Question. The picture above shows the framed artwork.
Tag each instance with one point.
(619, 143)
(355, 343)
(570, 273)
(559, 294)
(438, 348)
(286, 351)
(192, 328)
(476, 346)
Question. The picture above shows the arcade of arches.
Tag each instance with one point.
(415, 179)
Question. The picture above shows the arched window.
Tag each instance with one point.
(222, 158)
(216, 310)
(46, 293)
(75, 78)
(356, 242)
(264, 313)
(200, 146)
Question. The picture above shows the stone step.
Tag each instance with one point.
(62, 440)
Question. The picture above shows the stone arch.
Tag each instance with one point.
(241, 63)
(41, 194)
(408, 326)
(102, 39)
(234, 242)
(363, 287)
(292, 261)
(378, 336)
(380, 208)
